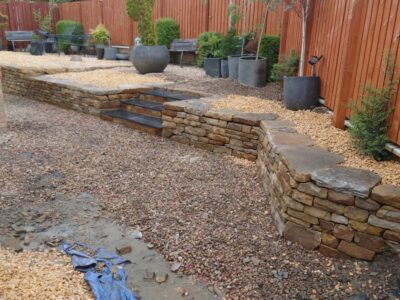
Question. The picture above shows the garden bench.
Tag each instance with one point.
(183, 46)
(18, 36)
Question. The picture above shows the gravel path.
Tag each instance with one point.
(203, 209)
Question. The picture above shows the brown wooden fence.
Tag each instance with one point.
(354, 36)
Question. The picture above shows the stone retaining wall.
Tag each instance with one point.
(340, 211)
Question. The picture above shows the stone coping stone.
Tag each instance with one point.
(387, 194)
(303, 160)
(356, 182)
(267, 125)
(253, 119)
(56, 69)
(280, 138)
(96, 90)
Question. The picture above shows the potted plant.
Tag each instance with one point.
(45, 29)
(253, 69)
(101, 38)
(147, 58)
(208, 53)
(3, 25)
(37, 45)
(301, 92)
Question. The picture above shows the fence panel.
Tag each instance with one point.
(92, 14)
(121, 28)
(71, 11)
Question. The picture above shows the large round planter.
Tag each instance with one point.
(224, 68)
(100, 52)
(233, 62)
(150, 59)
(301, 92)
(252, 71)
(37, 48)
(212, 66)
(110, 53)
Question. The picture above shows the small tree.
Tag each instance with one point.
(44, 23)
(3, 21)
(302, 10)
(100, 35)
(140, 11)
(370, 119)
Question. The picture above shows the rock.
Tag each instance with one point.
(367, 204)
(329, 206)
(364, 227)
(391, 235)
(18, 230)
(321, 110)
(308, 238)
(329, 240)
(255, 261)
(356, 251)
(175, 266)
(218, 291)
(343, 233)
(148, 275)
(277, 219)
(339, 219)
(150, 246)
(389, 213)
(123, 250)
(293, 204)
(370, 242)
(161, 278)
(340, 198)
(394, 247)
(136, 234)
(253, 119)
(387, 194)
(28, 239)
(375, 221)
(302, 216)
(181, 291)
(302, 161)
(246, 260)
(326, 225)
(331, 252)
(318, 213)
(302, 197)
(312, 189)
(355, 213)
(352, 181)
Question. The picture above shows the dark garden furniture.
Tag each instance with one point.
(183, 46)
(18, 36)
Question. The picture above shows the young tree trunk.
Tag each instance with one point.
(230, 16)
(262, 30)
(303, 38)
(245, 25)
(3, 120)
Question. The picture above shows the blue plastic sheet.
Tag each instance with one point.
(104, 271)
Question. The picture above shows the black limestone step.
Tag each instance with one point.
(144, 104)
(134, 117)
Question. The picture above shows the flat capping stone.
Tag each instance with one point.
(253, 119)
(267, 125)
(356, 182)
(303, 160)
(280, 138)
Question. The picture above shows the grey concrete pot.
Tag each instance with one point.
(212, 66)
(150, 59)
(110, 53)
(252, 71)
(301, 92)
(233, 62)
(224, 68)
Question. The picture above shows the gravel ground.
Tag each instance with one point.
(48, 61)
(319, 127)
(40, 276)
(205, 210)
(110, 78)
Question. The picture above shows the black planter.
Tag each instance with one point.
(49, 47)
(233, 62)
(301, 92)
(224, 68)
(150, 59)
(212, 66)
(110, 53)
(37, 48)
(99, 52)
(252, 71)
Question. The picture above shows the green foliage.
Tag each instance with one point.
(208, 45)
(230, 44)
(68, 32)
(43, 23)
(3, 21)
(270, 49)
(370, 119)
(167, 30)
(141, 11)
(287, 67)
(100, 35)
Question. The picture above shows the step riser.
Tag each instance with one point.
(152, 98)
(141, 110)
(133, 125)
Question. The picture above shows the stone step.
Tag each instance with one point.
(162, 96)
(140, 122)
(143, 107)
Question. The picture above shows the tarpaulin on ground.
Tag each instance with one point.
(104, 271)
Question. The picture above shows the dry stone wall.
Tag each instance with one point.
(343, 212)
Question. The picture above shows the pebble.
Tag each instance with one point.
(255, 261)
(136, 234)
(150, 246)
(181, 291)
(175, 266)
(161, 278)
(123, 250)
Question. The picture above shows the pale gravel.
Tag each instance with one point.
(110, 78)
(319, 127)
(40, 276)
(207, 210)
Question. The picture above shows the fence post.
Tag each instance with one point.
(352, 49)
